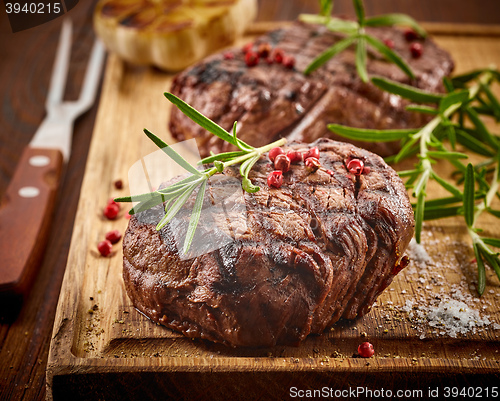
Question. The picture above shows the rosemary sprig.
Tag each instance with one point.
(177, 194)
(469, 95)
(355, 33)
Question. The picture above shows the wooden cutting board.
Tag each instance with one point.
(102, 348)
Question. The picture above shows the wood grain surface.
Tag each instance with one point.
(27, 58)
(99, 336)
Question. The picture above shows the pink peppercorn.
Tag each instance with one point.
(111, 210)
(312, 163)
(282, 162)
(118, 184)
(104, 247)
(313, 152)
(278, 55)
(416, 49)
(289, 61)
(247, 47)
(410, 34)
(389, 43)
(113, 236)
(355, 166)
(228, 56)
(275, 179)
(251, 59)
(275, 152)
(264, 49)
(365, 350)
(294, 156)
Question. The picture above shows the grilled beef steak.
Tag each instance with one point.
(271, 101)
(321, 247)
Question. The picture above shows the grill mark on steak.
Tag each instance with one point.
(312, 252)
(270, 101)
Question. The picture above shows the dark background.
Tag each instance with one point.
(26, 60)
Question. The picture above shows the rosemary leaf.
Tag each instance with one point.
(440, 212)
(492, 241)
(419, 216)
(422, 109)
(490, 258)
(453, 98)
(364, 134)
(222, 157)
(468, 196)
(245, 168)
(481, 129)
(462, 79)
(449, 187)
(326, 7)
(395, 19)
(407, 150)
(448, 84)
(204, 122)
(390, 55)
(329, 53)
(495, 104)
(360, 11)
(493, 212)
(146, 204)
(406, 91)
(176, 206)
(472, 143)
(176, 157)
(195, 217)
(361, 59)
(481, 271)
(447, 155)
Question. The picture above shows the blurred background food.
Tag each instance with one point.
(170, 34)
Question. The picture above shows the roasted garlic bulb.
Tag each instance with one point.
(170, 34)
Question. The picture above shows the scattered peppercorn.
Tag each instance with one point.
(365, 350)
(251, 59)
(355, 166)
(228, 56)
(389, 43)
(410, 34)
(275, 179)
(294, 156)
(264, 49)
(282, 162)
(278, 55)
(312, 163)
(416, 49)
(118, 184)
(313, 152)
(113, 236)
(104, 247)
(111, 210)
(289, 61)
(275, 152)
(247, 47)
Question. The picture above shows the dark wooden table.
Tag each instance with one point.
(25, 67)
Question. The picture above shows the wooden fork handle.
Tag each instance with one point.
(25, 216)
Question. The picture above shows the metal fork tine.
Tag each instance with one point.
(61, 65)
(92, 75)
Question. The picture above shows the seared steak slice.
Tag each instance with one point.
(319, 248)
(270, 101)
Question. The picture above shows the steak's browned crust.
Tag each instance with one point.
(270, 101)
(317, 249)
